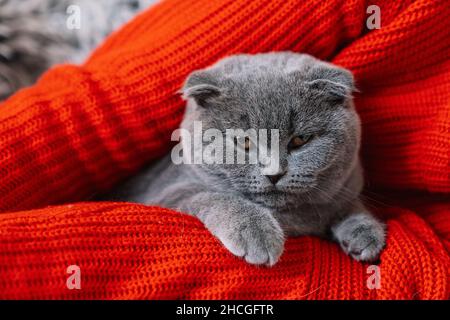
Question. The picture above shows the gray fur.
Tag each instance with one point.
(319, 192)
(34, 35)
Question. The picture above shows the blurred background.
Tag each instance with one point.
(36, 34)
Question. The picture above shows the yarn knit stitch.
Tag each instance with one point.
(82, 129)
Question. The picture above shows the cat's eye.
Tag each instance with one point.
(298, 141)
(246, 143)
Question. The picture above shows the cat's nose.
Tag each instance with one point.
(276, 177)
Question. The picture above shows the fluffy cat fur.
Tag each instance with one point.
(34, 35)
(318, 187)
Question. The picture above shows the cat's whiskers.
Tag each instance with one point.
(349, 195)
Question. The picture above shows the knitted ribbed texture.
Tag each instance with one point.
(82, 129)
(134, 252)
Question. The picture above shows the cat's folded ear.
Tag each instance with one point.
(203, 87)
(335, 83)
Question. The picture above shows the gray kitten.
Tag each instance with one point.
(316, 189)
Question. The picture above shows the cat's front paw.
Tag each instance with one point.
(361, 236)
(258, 239)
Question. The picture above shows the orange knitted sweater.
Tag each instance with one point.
(82, 129)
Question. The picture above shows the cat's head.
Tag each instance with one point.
(307, 100)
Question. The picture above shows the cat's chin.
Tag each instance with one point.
(278, 198)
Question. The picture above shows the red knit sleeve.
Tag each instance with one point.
(127, 251)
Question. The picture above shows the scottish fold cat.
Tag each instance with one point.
(316, 187)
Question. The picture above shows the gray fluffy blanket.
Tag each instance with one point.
(36, 34)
